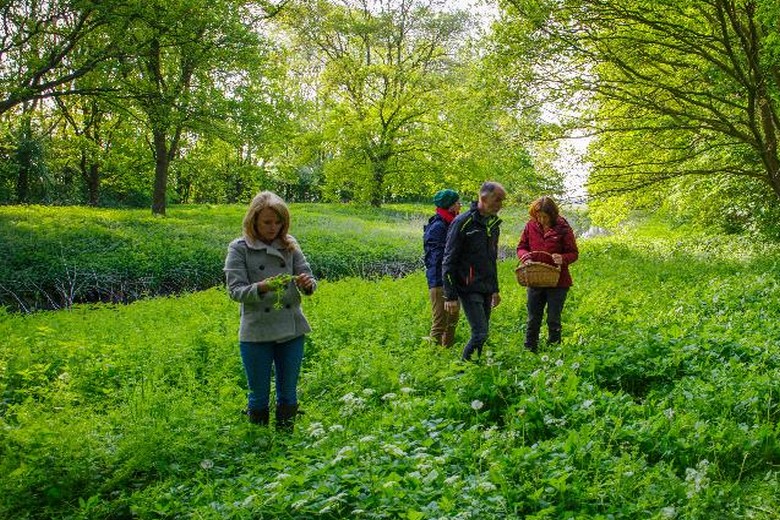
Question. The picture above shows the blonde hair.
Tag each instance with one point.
(545, 205)
(263, 200)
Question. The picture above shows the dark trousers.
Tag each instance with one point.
(476, 307)
(538, 298)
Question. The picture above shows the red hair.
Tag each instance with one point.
(544, 205)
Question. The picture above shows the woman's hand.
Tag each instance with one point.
(495, 300)
(305, 282)
(451, 306)
(525, 258)
(275, 283)
(558, 259)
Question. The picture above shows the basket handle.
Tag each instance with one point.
(531, 253)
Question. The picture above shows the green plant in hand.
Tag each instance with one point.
(278, 284)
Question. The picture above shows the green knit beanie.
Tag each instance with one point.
(445, 198)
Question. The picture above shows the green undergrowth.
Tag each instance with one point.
(661, 402)
(54, 257)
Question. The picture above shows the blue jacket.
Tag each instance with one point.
(434, 239)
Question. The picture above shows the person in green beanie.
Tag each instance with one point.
(443, 324)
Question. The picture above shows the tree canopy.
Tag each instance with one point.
(668, 89)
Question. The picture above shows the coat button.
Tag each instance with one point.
(262, 267)
(287, 306)
(282, 264)
(267, 309)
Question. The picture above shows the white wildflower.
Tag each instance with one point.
(343, 453)
(669, 512)
(559, 363)
(697, 478)
(394, 450)
(587, 403)
(207, 464)
(316, 429)
(476, 404)
(575, 366)
(299, 504)
(486, 487)
(389, 396)
(406, 390)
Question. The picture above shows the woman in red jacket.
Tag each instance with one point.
(547, 231)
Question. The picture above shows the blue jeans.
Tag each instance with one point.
(259, 357)
(539, 297)
(476, 307)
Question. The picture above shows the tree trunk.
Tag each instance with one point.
(378, 169)
(93, 184)
(90, 172)
(161, 163)
(23, 185)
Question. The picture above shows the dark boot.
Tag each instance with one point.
(285, 416)
(532, 340)
(259, 417)
(553, 336)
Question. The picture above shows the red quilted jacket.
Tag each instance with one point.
(558, 239)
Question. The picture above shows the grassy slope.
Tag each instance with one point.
(662, 402)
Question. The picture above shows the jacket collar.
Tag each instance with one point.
(489, 221)
(274, 248)
(445, 215)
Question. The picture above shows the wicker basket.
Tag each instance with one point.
(538, 274)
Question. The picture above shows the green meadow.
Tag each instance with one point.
(662, 402)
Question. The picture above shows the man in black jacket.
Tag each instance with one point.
(469, 265)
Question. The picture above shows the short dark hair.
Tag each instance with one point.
(489, 187)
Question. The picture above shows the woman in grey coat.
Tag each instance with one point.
(266, 271)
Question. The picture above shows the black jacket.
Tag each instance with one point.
(469, 264)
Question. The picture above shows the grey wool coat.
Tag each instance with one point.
(267, 316)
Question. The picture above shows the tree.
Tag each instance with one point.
(669, 88)
(46, 44)
(93, 125)
(384, 68)
(483, 135)
(182, 58)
